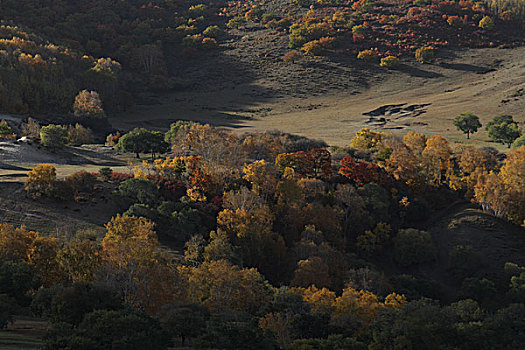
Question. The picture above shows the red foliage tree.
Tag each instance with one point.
(360, 172)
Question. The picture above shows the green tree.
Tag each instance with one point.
(140, 140)
(17, 279)
(71, 304)
(53, 136)
(232, 331)
(520, 141)
(412, 246)
(7, 307)
(467, 123)
(128, 329)
(503, 129)
(140, 191)
(184, 321)
(421, 324)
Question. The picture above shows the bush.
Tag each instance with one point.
(486, 23)
(313, 48)
(292, 56)
(40, 180)
(360, 29)
(412, 247)
(520, 141)
(236, 22)
(81, 181)
(139, 191)
(105, 173)
(212, 32)
(53, 136)
(425, 54)
(390, 62)
(209, 43)
(112, 140)
(368, 55)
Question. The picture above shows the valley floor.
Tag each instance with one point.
(424, 98)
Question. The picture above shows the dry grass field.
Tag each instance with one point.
(330, 101)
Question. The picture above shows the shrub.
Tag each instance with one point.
(359, 29)
(454, 21)
(81, 181)
(425, 54)
(486, 23)
(139, 191)
(40, 180)
(412, 246)
(390, 62)
(198, 10)
(209, 43)
(212, 32)
(236, 22)
(313, 48)
(368, 55)
(302, 3)
(53, 136)
(520, 141)
(327, 42)
(105, 173)
(120, 177)
(112, 140)
(292, 56)
(253, 15)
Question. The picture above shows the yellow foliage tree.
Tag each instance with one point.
(40, 180)
(366, 140)
(15, 242)
(221, 286)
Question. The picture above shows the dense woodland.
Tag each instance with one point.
(267, 241)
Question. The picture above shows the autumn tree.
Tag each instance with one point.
(6, 132)
(88, 104)
(40, 181)
(221, 286)
(79, 135)
(467, 123)
(136, 265)
(360, 172)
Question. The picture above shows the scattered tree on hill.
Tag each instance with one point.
(140, 140)
(503, 129)
(467, 123)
